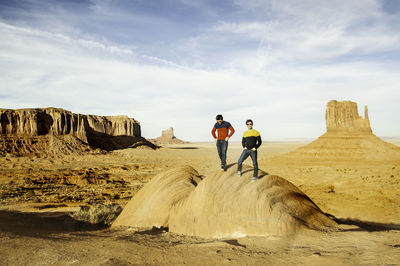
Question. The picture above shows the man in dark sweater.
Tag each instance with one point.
(224, 131)
(251, 141)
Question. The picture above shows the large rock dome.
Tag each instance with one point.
(223, 205)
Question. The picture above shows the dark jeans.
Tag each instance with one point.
(244, 156)
(222, 147)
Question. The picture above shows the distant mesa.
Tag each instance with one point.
(348, 138)
(167, 137)
(223, 205)
(55, 130)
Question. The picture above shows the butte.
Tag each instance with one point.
(348, 139)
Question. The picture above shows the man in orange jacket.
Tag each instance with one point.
(224, 131)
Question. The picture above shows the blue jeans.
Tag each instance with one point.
(222, 147)
(244, 156)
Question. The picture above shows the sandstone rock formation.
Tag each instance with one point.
(167, 137)
(343, 117)
(152, 204)
(21, 129)
(223, 205)
(349, 138)
(36, 122)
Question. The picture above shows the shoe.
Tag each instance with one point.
(239, 173)
(222, 169)
(254, 179)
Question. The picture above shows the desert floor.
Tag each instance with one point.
(37, 194)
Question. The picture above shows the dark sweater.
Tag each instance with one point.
(251, 139)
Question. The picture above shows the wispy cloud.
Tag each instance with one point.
(89, 77)
(278, 62)
(316, 32)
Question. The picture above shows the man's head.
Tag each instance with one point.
(249, 123)
(219, 119)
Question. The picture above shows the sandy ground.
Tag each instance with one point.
(38, 193)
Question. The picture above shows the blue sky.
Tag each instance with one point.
(180, 62)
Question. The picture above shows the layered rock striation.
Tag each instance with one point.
(223, 205)
(36, 122)
(20, 129)
(153, 203)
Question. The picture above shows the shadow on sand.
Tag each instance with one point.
(42, 225)
(364, 225)
(183, 148)
(261, 174)
(46, 225)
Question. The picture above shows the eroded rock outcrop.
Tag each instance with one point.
(223, 205)
(349, 138)
(167, 137)
(21, 129)
(42, 121)
(343, 116)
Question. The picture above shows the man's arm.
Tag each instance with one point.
(232, 130)
(213, 132)
(258, 142)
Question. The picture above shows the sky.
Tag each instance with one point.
(179, 63)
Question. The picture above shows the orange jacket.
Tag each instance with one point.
(222, 130)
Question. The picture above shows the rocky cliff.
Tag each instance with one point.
(21, 129)
(36, 122)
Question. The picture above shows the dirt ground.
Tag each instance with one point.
(38, 194)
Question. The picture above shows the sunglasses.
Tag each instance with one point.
(249, 124)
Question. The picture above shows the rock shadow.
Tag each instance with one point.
(153, 231)
(234, 242)
(183, 148)
(42, 225)
(365, 225)
(109, 143)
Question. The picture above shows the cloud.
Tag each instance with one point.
(87, 77)
(279, 69)
(309, 31)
